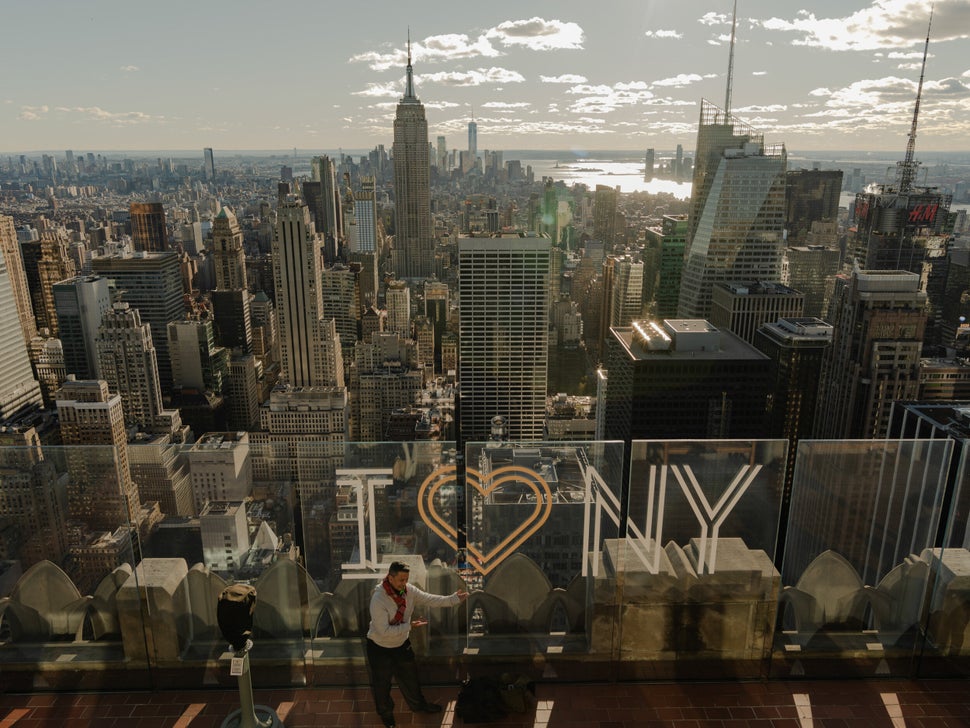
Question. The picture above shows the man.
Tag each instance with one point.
(389, 650)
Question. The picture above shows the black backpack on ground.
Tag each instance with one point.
(480, 701)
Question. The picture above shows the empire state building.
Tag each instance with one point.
(413, 231)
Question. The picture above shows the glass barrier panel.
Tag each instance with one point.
(699, 584)
(71, 528)
(864, 516)
(360, 509)
(946, 650)
(212, 523)
(542, 524)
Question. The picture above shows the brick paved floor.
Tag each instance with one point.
(819, 704)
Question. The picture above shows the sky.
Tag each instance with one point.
(592, 75)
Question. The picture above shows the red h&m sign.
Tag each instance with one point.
(923, 213)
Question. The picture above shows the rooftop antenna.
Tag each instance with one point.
(730, 73)
(908, 167)
(409, 88)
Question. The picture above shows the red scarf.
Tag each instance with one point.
(399, 600)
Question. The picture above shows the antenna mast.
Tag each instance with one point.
(907, 168)
(409, 88)
(730, 73)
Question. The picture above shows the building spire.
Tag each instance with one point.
(409, 88)
(907, 168)
(730, 73)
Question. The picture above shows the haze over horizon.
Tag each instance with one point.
(582, 76)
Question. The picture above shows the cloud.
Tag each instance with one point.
(632, 86)
(664, 34)
(756, 109)
(535, 33)
(115, 118)
(603, 99)
(911, 56)
(759, 73)
(538, 34)
(33, 113)
(884, 24)
(869, 103)
(510, 127)
(389, 89)
(568, 78)
(473, 78)
(441, 105)
(505, 104)
(130, 69)
(680, 80)
(713, 18)
(452, 46)
(434, 48)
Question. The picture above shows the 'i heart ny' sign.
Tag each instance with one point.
(499, 478)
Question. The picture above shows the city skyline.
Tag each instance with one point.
(579, 77)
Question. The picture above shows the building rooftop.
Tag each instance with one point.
(758, 288)
(682, 339)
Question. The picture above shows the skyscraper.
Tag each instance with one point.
(19, 391)
(148, 230)
(340, 287)
(100, 491)
(442, 155)
(437, 304)
(622, 294)
(683, 379)
(389, 377)
(743, 306)
(736, 224)
(472, 142)
(309, 345)
(812, 270)
(504, 334)
(604, 214)
(80, 303)
(151, 283)
(795, 347)
(197, 362)
(671, 238)
(46, 261)
(10, 251)
(811, 195)
(32, 496)
(228, 252)
(366, 246)
(231, 299)
(399, 309)
(209, 168)
(899, 225)
(322, 196)
(878, 321)
(127, 362)
(413, 230)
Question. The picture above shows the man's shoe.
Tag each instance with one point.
(430, 708)
(389, 722)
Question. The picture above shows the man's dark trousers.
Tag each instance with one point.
(397, 662)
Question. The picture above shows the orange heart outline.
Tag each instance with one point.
(447, 474)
